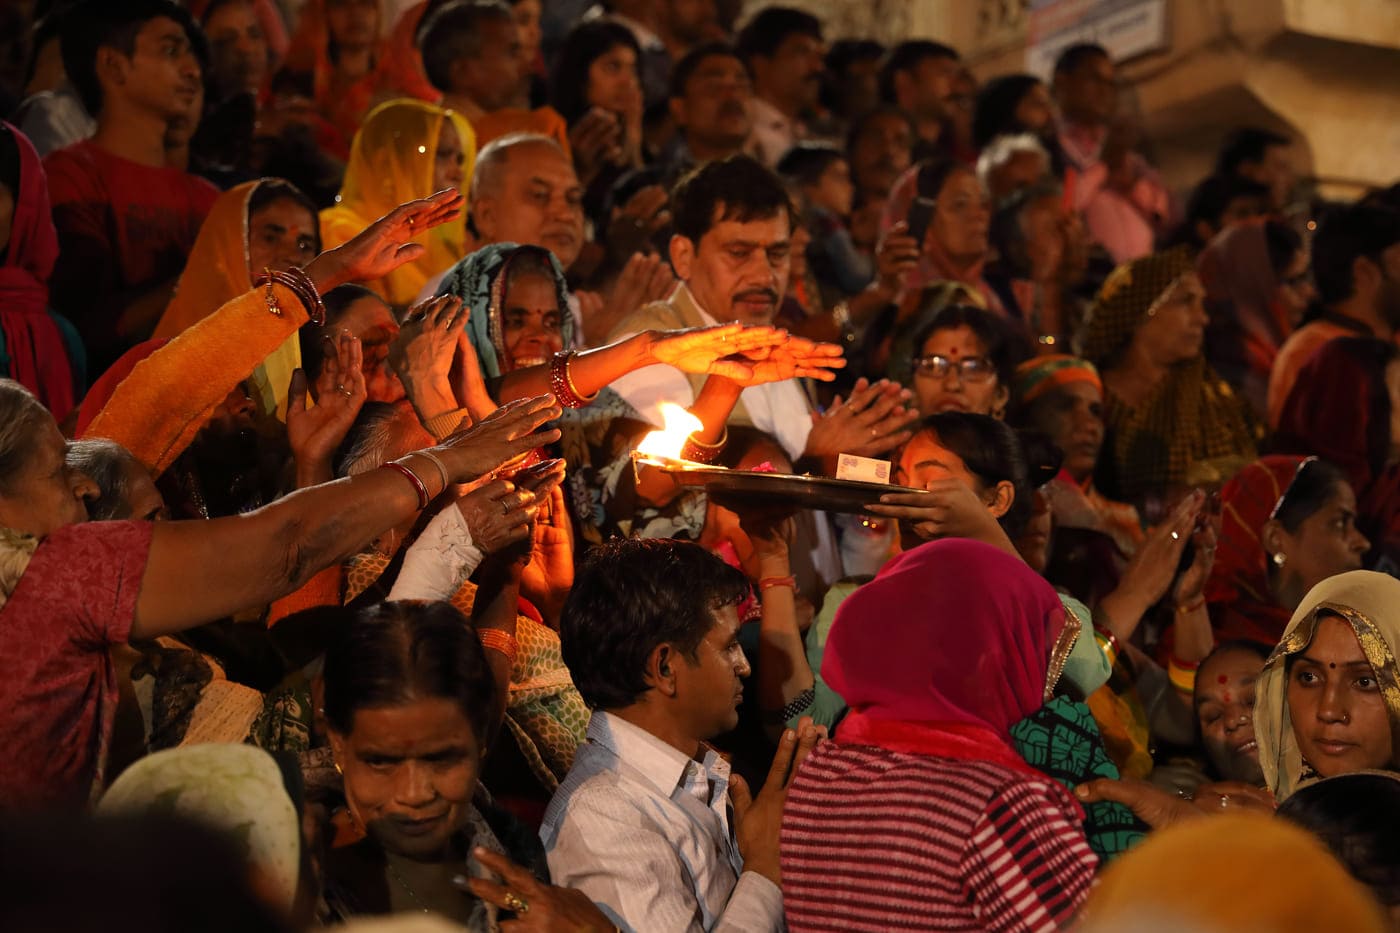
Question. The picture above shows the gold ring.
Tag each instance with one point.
(516, 903)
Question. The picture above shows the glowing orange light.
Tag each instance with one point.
(670, 440)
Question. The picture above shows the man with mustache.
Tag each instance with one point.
(783, 50)
(918, 77)
(731, 250)
(126, 222)
(711, 95)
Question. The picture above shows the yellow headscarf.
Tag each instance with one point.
(216, 273)
(1370, 603)
(1189, 877)
(392, 161)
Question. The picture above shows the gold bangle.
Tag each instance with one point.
(503, 642)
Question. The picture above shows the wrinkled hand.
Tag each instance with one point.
(386, 244)
(315, 433)
(1155, 807)
(423, 352)
(758, 820)
(874, 420)
(948, 508)
(499, 439)
(797, 358)
(704, 349)
(551, 909)
(497, 515)
(896, 255)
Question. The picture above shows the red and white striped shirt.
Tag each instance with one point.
(875, 840)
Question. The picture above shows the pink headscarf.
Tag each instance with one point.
(38, 356)
(951, 633)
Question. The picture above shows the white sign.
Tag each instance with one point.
(1124, 27)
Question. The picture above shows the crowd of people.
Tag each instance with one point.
(332, 593)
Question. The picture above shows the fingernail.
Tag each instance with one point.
(1081, 792)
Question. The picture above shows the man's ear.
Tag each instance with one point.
(110, 66)
(999, 498)
(661, 669)
(483, 212)
(682, 256)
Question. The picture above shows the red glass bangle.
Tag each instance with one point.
(412, 477)
(562, 385)
(497, 640)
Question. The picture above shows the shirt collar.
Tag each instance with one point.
(659, 763)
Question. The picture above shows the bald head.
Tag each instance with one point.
(525, 190)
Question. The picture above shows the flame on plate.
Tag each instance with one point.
(670, 440)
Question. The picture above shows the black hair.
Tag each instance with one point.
(312, 336)
(992, 452)
(691, 61)
(105, 463)
(995, 111)
(1004, 347)
(270, 190)
(1210, 200)
(101, 24)
(770, 26)
(738, 187)
(395, 652)
(1257, 648)
(905, 57)
(1310, 488)
(934, 174)
(1357, 816)
(9, 163)
(217, 5)
(1344, 234)
(48, 27)
(586, 43)
(453, 32)
(527, 260)
(859, 125)
(1283, 245)
(806, 162)
(156, 873)
(1070, 60)
(844, 53)
(1043, 456)
(632, 595)
(1246, 144)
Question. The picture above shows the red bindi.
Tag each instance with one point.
(1222, 679)
(1227, 696)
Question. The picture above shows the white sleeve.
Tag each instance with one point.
(440, 561)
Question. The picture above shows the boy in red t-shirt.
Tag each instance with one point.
(126, 222)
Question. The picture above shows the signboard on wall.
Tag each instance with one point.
(1124, 27)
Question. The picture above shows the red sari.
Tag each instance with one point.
(33, 342)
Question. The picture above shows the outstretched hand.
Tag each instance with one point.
(315, 433)
(500, 439)
(795, 358)
(703, 349)
(386, 244)
(874, 420)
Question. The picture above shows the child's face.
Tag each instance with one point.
(834, 191)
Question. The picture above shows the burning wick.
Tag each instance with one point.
(670, 440)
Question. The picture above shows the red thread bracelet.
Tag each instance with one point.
(768, 583)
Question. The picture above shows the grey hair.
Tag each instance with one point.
(105, 463)
(492, 159)
(21, 414)
(366, 446)
(1002, 149)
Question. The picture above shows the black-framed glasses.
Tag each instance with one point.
(1278, 506)
(969, 368)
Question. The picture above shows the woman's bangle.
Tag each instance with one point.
(698, 452)
(768, 583)
(412, 477)
(1111, 646)
(437, 462)
(300, 285)
(1182, 674)
(1186, 610)
(562, 385)
(496, 640)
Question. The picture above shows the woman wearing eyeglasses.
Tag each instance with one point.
(1288, 523)
(962, 359)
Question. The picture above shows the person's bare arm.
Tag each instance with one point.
(202, 570)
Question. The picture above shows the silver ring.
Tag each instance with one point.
(505, 509)
(1224, 801)
(1175, 536)
(344, 391)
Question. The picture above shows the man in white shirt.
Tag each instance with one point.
(783, 50)
(650, 823)
(733, 226)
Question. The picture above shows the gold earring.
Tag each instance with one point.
(1278, 560)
